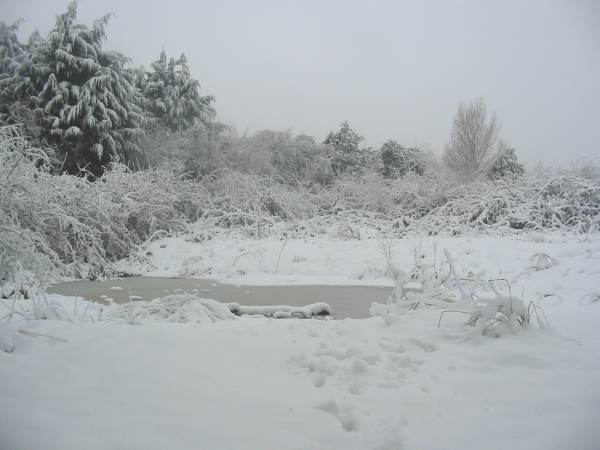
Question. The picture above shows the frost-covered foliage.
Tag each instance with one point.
(345, 154)
(505, 165)
(490, 306)
(198, 150)
(301, 159)
(10, 47)
(74, 226)
(84, 94)
(398, 161)
(237, 199)
(547, 199)
(206, 147)
(173, 95)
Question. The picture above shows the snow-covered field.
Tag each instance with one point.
(257, 383)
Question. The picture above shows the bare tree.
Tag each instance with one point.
(473, 139)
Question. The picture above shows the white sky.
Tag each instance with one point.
(393, 69)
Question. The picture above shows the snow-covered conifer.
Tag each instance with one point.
(85, 93)
(346, 154)
(173, 96)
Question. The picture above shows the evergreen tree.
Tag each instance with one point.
(84, 93)
(10, 47)
(346, 154)
(398, 161)
(173, 96)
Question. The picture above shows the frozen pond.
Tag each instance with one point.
(346, 301)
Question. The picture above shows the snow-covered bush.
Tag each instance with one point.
(398, 160)
(542, 199)
(344, 151)
(367, 192)
(505, 165)
(70, 225)
(489, 308)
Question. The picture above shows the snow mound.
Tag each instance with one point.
(7, 333)
(172, 308)
(283, 311)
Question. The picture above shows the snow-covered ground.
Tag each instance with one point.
(258, 383)
(363, 262)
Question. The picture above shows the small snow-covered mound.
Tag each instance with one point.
(7, 333)
(283, 311)
(172, 308)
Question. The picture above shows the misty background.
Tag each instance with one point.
(394, 70)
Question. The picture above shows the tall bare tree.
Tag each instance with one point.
(471, 146)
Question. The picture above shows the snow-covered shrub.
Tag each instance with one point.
(70, 225)
(541, 199)
(398, 160)
(29, 302)
(24, 210)
(494, 312)
(237, 199)
(415, 196)
(367, 192)
(197, 151)
(505, 165)
(489, 308)
(344, 151)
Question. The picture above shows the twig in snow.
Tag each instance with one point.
(32, 334)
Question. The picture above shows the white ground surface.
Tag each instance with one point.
(261, 384)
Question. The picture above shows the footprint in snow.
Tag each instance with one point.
(425, 346)
(342, 412)
(393, 348)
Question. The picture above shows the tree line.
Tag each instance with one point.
(93, 107)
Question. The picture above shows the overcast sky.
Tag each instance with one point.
(393, 69)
